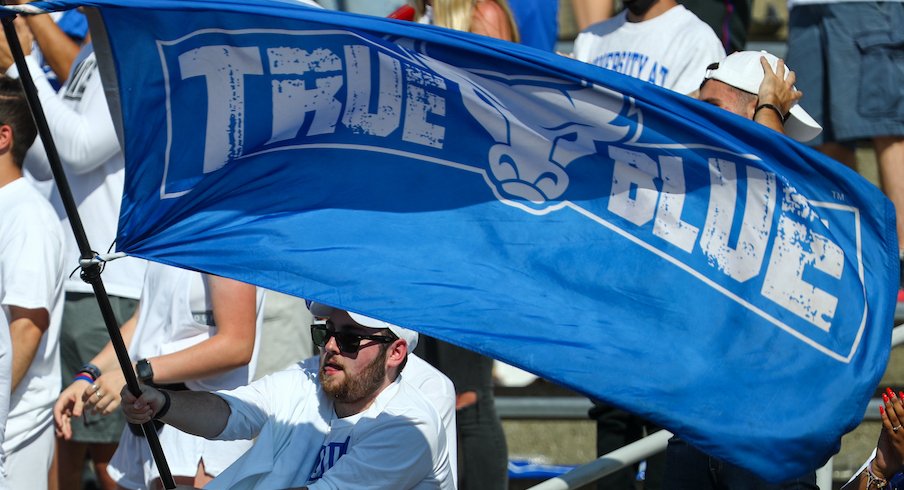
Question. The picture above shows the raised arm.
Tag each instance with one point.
(58, 48)
(889, 458)
(776, 96)
(86, 138)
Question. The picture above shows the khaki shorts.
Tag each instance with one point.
(82, 335)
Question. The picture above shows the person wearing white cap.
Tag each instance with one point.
(351, 424)
(431, 382)
(758, 86)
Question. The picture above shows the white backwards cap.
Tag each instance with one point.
(742, 70)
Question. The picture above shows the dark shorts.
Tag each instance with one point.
(849, 61)
(82, 336)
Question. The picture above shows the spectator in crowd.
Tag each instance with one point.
(434, 385)
(658, 41)
(589, 12)
(352, 424)
(883, 469)
(755, 86)
(192, 331)
(491, 18)
(31, 295)
(537, 21)
(82, 129)
(58, 37)
(850, 56)
(616, 428)
(379, 8)
(729, 19)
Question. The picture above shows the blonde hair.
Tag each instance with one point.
(458, 14)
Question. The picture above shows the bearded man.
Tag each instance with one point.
(351, 424)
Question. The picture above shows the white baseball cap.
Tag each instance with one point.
(742, 70)
(324, 311)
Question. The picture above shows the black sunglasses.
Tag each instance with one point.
(349, 343)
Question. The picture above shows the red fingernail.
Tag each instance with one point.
(885, 397)
(881, 410)
(888, 390)
(901, 394)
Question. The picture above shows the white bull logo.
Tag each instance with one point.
(539, 128)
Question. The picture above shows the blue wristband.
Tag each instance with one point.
(84, 377)
(90, 370)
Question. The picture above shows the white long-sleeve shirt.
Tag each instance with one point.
(86, 141)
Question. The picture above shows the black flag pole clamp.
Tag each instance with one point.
(91, 269)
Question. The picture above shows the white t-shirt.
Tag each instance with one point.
(6, 367)
(436, 387)
(83, 132)
(31, 276)
(671, 50)
(440, 391)
(398, 442)
(175, 314)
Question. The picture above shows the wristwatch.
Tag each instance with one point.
(144, 371)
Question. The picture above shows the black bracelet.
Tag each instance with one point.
(166, 405)
(90, 370)
(773, 107)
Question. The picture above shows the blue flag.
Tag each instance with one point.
(636, 245)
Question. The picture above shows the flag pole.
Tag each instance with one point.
(91, 269)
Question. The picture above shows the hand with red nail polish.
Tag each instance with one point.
(889, 459)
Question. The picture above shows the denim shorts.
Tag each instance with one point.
(849, 61)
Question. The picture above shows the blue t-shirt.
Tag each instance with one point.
(897, 482)
(537, 22)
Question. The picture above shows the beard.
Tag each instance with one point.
(639, 7)
(354, 388)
